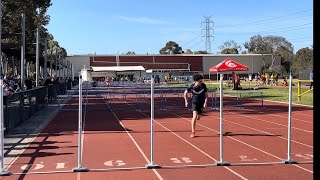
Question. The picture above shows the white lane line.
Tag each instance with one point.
(286, 117)
(272, 122)
(288, 103)
(47, 123)
(264, 132)
(237, 174)
(303, 168)
(134, 141)
(240, 141)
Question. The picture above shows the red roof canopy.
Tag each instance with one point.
(228, 65)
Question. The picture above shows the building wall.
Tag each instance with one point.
(198, 63)
(79, 62)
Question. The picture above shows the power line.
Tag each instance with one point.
(263, 20)
(271, 31)
(192, 39)
(195, 44)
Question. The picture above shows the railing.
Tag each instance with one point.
(20, 106)
(299, 88)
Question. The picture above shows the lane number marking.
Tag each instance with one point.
(114, 163)
(181, 160)
(245, 158)
(304, 156)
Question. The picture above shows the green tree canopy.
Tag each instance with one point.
(172, 47)
(276, 45)
(303, 60)
(230, 47)
(35, 12)
(188, 51)
(200, 52)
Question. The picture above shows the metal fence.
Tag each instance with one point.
(20, 106)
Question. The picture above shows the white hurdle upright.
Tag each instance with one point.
(152, 165)
(289, 160)
(221, 162)
(2, 172)
(79, 168)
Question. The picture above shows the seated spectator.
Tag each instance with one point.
(284, 83)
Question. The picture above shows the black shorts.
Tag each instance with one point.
(198, 106)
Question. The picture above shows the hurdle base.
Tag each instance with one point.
(152, 166)
(238, 106)
(290, 162)
(80, 169)
(5, 173)
(224, 163)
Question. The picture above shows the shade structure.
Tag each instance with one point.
(228, 65)
(117, 68)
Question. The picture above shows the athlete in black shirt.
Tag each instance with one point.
(199, 99)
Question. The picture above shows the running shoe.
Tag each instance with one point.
(193, 134)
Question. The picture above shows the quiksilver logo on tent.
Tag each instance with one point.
(230, 64)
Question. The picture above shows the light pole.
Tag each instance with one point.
(23, 52)
(37, 52)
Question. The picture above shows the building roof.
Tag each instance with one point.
(117, 68)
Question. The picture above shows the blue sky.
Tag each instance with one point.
(119, 26)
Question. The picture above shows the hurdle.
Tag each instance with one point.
(299, 88)
(239, 103)
(2, 171)
(152, 165)
(289, 160)
(221, 162)
(79, 167)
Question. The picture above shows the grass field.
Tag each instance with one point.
(273, 93)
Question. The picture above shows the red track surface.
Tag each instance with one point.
(116, 144)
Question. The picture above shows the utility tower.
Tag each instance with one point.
(207, 32)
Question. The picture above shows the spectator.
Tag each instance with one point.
(48, 81)
(28, 83)
(284, 83)
(311, 78)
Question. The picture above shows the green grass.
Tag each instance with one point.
(278, 93)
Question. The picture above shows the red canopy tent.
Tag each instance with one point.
(228, 65)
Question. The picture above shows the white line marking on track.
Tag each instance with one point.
(288, 103)
(272, 122)
(137, 145)
(195, 147)
(237, 174)
(242, 142)
(296, 119)
(264, 132)
(47, 123)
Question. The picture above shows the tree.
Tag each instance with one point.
(130, 53)
(35, 16)
(200, 52)
(230, 47)
(276, 45)
(171, 47)
(244, 52)
(303, 60)
(188, 51)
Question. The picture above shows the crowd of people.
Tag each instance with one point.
(267, 79)
(12, 84)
